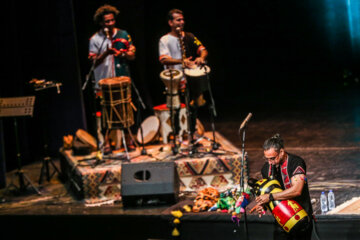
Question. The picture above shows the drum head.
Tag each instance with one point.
(106, 82)
(197, 72)
(85, 137)
(166, 74)
(150, 127)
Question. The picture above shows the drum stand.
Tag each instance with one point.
(100, 156)
(193, 145)
(213, 114)
(174, 146)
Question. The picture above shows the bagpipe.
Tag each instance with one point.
(288, 213)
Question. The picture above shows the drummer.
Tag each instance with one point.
(171, 57)
(110, 49)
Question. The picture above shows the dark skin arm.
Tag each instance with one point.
(201, 59)
(129, 55)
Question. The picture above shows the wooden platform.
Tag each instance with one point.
(349, 207)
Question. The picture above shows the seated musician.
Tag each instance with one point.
(174, 56)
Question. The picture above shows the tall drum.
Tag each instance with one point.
(171, 78)
(116, 102)
(197, 81)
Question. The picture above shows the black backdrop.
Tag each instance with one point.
(257, 49)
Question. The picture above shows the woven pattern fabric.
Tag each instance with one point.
(220, 172)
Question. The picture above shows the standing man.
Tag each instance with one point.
(172, 57)
(290, 171)
(110, 48)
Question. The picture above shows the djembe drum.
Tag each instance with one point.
(171, 78)
(197, 81)
(116, 102)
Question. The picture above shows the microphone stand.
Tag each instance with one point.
(89, 76)
(174, 148)
(243, 128)
(213, 114)
(192, 148)
(138, 119)
(92, 68)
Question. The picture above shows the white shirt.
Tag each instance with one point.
(169, 46)
(106, 69)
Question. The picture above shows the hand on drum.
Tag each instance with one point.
(193, 64)
(199, 61)
(189, 63)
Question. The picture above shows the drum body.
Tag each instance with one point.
(288, 213)
(197, 81)
(163, 113)
(171, 78)
(116, 102)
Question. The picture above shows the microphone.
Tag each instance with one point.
(178, 30)
(106, 30)
(247, 119)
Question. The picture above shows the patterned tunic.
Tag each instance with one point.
(292, 166)
(111, 66)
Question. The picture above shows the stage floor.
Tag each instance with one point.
(324, 131)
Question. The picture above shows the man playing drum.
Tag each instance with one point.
(179, 50)
(110, 48)
(290, 171)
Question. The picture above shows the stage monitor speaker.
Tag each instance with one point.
(149, 183)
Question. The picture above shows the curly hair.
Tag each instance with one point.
(275, 142)
(103, 10)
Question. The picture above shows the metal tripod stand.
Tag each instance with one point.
(47, 160)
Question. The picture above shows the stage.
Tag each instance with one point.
(293, 64)
(60, 213)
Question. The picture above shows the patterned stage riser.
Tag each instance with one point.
(218, 172)
(102, 183)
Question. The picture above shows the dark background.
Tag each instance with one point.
(259, 52)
